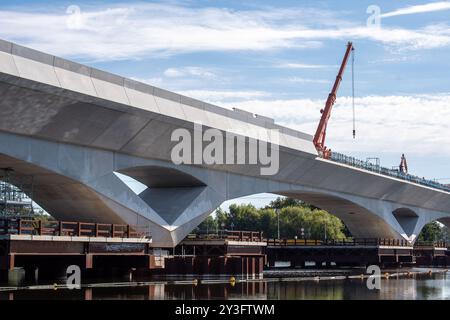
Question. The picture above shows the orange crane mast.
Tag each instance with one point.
(319, 137)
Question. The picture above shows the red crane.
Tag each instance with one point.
(319, 137)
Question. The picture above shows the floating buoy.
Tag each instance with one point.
(232, 281)
(195, 282)
(430, 273)
(386, 275)
(55, 286)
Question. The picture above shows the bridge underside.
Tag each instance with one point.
(79, 183)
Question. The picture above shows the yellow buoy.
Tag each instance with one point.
(386, 275)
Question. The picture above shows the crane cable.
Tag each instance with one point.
(353, 92)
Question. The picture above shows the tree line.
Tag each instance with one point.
(295, 219)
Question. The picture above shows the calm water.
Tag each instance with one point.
(436, 286)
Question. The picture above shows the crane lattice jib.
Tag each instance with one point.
(319, 137)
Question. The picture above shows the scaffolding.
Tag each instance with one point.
(15, 195)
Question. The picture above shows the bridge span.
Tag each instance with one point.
(69, 129)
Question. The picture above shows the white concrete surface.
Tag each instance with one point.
(70, 127)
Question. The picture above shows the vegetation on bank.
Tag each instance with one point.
(297, 219)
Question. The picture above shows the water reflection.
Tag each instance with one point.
(436, 286)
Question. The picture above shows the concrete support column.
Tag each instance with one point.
(89, 261)
(31, 273)
(245, 264)
(7, 262)
(252, 267)
(3, 263)
(16, 276)
(206, 265)
(259, 265)
(189, 265)
(222, 265)
(88, 294)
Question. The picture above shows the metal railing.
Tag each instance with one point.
(367, 165)
(435, 244)
(249, 236)
(343, 242)
(68, 228)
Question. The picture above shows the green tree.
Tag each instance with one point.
(222, 218)
(283, 202)
(268, 222)
(243, 217)
(209, 225)
(433, 231)
(317, 224)
(294, 216)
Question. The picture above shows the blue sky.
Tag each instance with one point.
(276, 58)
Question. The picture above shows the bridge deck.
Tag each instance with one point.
(367, 165)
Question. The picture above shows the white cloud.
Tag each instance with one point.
(400, 38)
(414, 124)
(306, 80)
(134, 30)
(188, 71)
(214, 96)
(429, 7)
(173, 73)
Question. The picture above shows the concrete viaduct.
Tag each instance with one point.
(70, 128)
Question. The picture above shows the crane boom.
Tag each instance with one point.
(319, 137)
